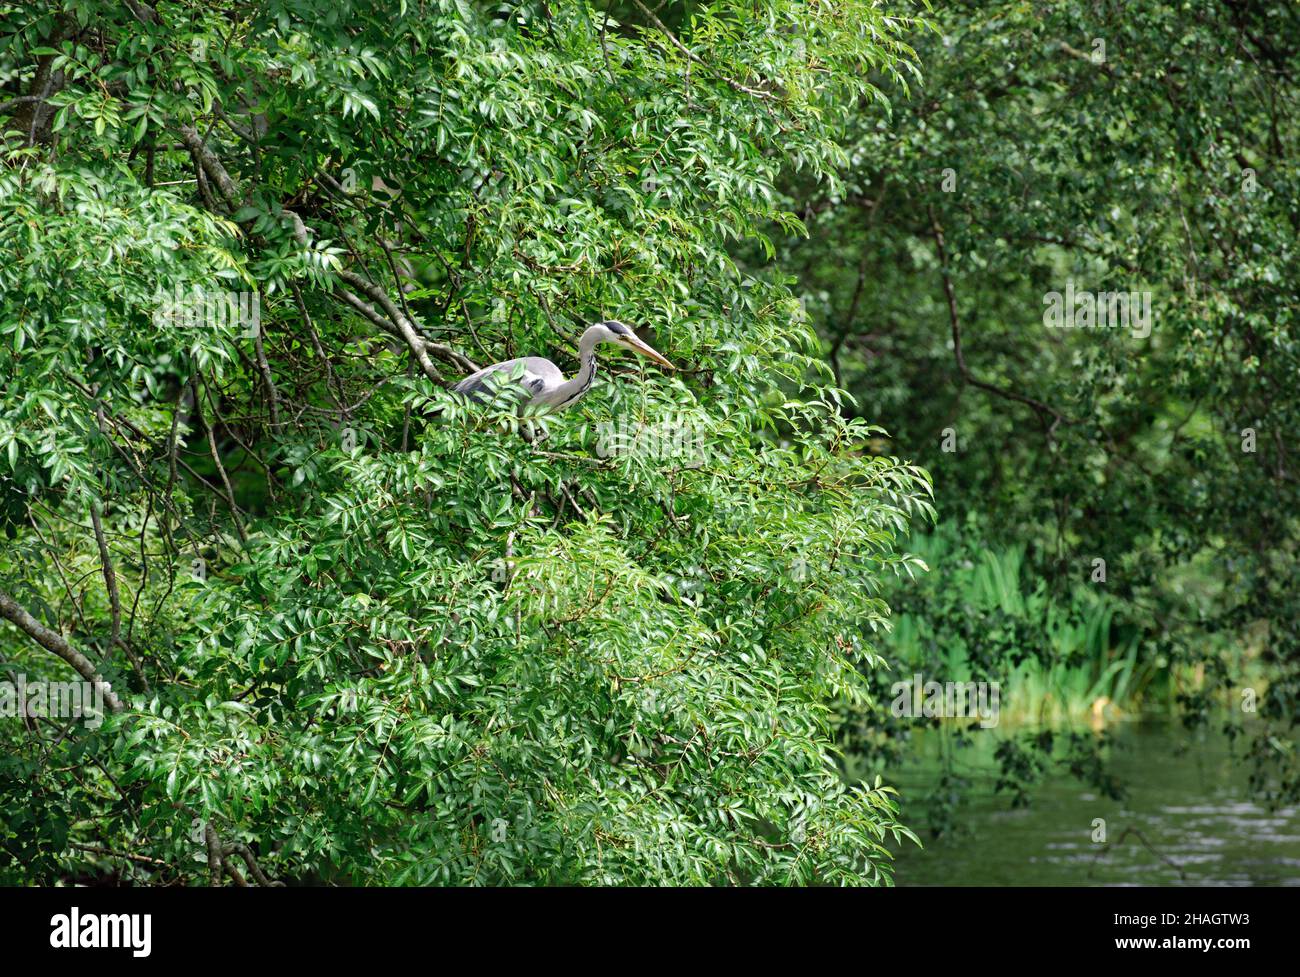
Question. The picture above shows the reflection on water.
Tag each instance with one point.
(1187, 820)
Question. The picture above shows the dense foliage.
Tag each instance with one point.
(360, 632)
(1090, 146)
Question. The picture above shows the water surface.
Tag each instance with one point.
(1189, 817)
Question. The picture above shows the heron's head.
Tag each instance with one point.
(621, 334)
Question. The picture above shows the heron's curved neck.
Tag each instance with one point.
(575, 388)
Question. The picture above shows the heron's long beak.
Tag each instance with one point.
(645, 349)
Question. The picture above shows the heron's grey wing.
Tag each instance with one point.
(533, 373)
(474, 383)
(540, 368)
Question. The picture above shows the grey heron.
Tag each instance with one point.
(541, 385)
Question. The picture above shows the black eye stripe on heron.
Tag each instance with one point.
(541, 383)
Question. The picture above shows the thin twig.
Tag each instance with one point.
(1039, 407)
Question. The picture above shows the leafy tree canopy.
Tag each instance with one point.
(360, 632)
(1100, 147)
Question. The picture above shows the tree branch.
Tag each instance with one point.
(212, 167)
(52, 641)
(395, 322)
(691, 55)
(216, 460)
(1039, 407)
(214, 854)
(114, 595)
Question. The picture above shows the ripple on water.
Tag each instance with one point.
(1189, 817)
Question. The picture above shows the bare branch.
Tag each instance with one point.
(691, 55)
(52, 641)
(216, 460)
(1084, 56)
(1039, 407)
(243, 851)
(214, 854)
(398, 323)
(414, 343)
(128, 856)
(211, 166)
(114, 595)
(142, 12)
(268, 379)
(110, 575)
(394, 321)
